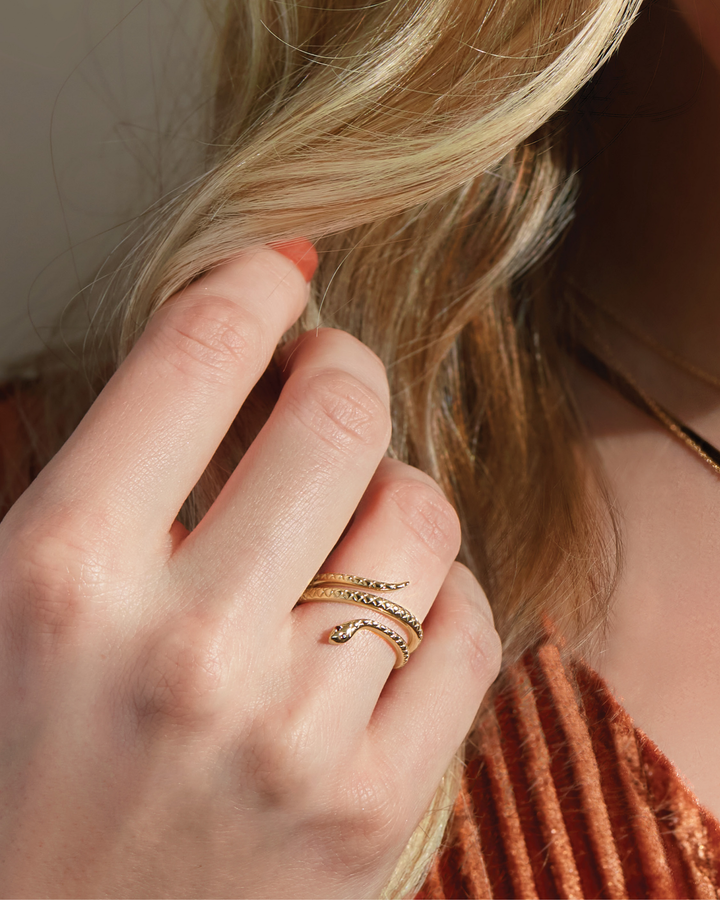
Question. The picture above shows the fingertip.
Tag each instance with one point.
(301, 252)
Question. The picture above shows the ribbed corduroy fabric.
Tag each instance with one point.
(563, 797)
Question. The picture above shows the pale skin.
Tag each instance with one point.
(650, 252)
(169, 724)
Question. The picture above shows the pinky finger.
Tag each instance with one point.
(428, 706)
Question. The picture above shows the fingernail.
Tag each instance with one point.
(302, 253)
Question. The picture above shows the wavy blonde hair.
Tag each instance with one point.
(422, 145)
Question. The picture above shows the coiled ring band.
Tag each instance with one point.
(334, 587)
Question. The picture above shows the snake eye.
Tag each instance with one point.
(339, 635)
(326, 587)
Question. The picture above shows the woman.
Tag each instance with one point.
(175, 722)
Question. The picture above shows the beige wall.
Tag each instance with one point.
(101, 104)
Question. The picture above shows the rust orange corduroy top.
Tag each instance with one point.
(562, 796)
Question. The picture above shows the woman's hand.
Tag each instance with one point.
(170, 724)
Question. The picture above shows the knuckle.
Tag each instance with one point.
(341, 345)
(181, 677)
(278, 761)
(371, 363)
(53, 610)
(49, 610)
(370, 827)
(341, 410)
(209, 338)
(58, 579)
(428, 515)
(480, 645)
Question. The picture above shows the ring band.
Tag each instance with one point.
(326, 586)
(357, 581)
(394, 610)
(341, 634)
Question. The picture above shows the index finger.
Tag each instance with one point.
(152, 431)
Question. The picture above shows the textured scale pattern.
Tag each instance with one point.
(387, 606)
(357, 581)
(341, 634)
(325, 586)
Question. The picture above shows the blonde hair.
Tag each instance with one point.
(417, 143)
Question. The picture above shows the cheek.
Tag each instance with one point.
(703, 17)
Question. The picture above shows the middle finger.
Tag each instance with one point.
(293, 493)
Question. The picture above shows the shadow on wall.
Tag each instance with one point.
(103, 103)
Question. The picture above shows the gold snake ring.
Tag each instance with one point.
(326, 586)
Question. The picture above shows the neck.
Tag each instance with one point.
(647, 246)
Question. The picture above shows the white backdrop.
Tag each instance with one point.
(102, 103)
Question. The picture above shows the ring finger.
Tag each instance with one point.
(404, 530)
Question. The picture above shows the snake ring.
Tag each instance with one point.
(345, 589)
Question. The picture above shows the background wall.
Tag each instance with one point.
(102, 105)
